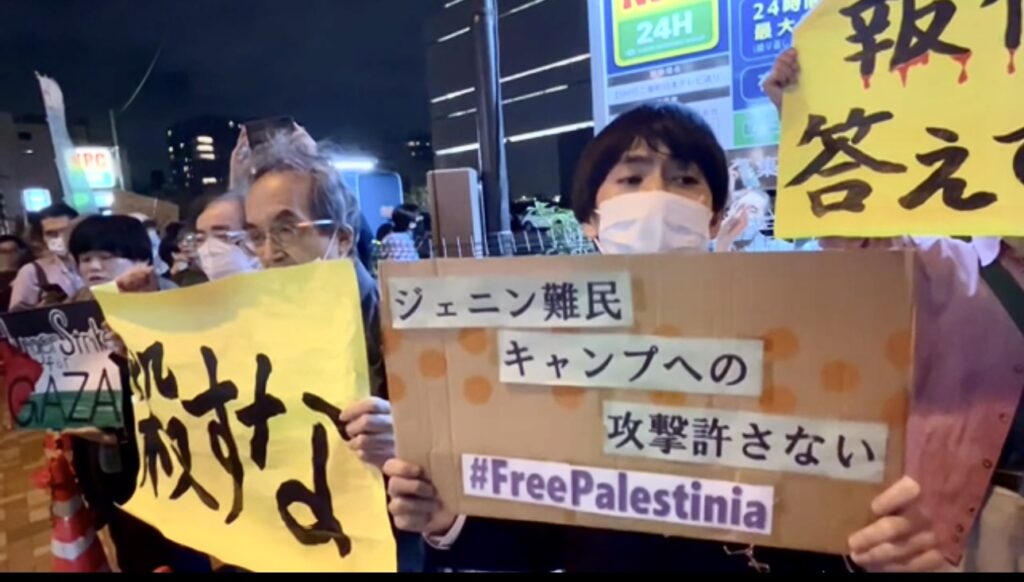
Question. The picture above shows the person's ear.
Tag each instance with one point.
(346, 241)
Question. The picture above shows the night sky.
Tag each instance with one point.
(349, 70)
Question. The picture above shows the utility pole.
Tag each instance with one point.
(491, 127)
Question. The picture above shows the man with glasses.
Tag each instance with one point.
(298, 211)
(219, 242)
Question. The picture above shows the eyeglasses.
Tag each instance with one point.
(191, 241)
(281, 234)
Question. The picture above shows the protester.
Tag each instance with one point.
(400, 244)
(219, 238)
(107, 247)
(299, 211)
(654, 181)
(14, 254)
(106, 463)
(961, 504)
(52, 278)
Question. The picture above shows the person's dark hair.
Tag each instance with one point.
(384, 230)
(6, 238)
(58, 210)
(667, 126)
(24, 252)
(169, 242)
(121, 236)
(331, 198)
(404, 217)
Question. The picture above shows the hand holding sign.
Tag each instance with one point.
(138, 279)
(784, 74)
(371, 429)
(415, 505)
(902, 539)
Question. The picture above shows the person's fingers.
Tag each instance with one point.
(897, 497)
(372, 443)
(370, 424)
(931, 561)
(410, 506)
(141, 278)
(412, 515)
(411, 488)
(884, 530)
(399, 469)
(368, 406)
(898, 551)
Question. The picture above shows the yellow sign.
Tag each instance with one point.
(237, 389)
(907, 121)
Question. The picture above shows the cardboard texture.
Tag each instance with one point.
(838, 332)
(161, 211)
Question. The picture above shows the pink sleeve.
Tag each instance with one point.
(25, 289)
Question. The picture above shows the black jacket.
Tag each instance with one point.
(509, 546)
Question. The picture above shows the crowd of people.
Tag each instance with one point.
(654, 181)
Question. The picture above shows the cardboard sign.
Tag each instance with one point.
(906, 121)
(237, 387)
(58, 368)
(835, 331)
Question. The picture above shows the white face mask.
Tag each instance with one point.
(219, 259)
(57, 246)
(651, 223)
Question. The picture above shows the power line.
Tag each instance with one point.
(156, 57)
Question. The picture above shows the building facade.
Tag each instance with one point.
(546, 90)
(28, 170)
(200, 153)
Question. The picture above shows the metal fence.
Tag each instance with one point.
(563, 241)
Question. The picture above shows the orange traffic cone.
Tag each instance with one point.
(74, 544)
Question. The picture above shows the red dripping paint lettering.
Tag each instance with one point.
(963, 60)
(904, 69)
